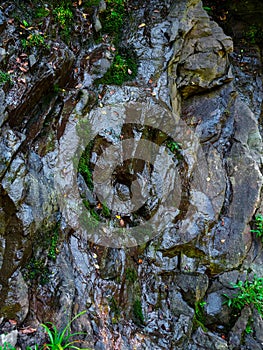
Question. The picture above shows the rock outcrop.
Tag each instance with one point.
(151, 269)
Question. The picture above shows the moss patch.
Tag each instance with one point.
(123, 68)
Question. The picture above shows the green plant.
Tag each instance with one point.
(84, 166)
(106, 211)
(207, 9)
(7, 346)
(25, 23)
(259, 226)
(123, 68)
(41, 12)
(137, 312)
(254, 34)
(248, 329)
(36, 270)
(63, 15)
(33, 40)
(249, 293)
(5, 78)
(199, 317)
(131, 275)
(112, 18)
(59, 340)
(115, 310)
(52, 252)
(90, 3)
(173, 146)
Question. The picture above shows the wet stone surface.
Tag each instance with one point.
(150, 234)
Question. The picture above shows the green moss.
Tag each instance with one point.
(123, 68)
(84, 166)
(112, 18)
(114, 310)
(106, 211)
(88, 4)
(131, 275)
(63, 14)
(36, 271)
(41, 12)
(53, 242)
(137, 312)
(94, 214)
(254, 34)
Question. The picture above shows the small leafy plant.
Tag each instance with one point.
(33, 40)
(173, 146)
(259, 226)
(4, 78)
(60, 340)
(199, 317)
(249, 293)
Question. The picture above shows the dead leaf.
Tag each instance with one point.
(142, 25)
(78, 86)
(150, 81)
(27, 330)
(23, 69)
(13, 322)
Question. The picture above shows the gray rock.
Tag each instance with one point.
(3, 54)
(32, 60)
(237, 332)
(201, 58)
(192, 286)
(97, 24)
(85, 191)
(9, 338)
(258, 326)
(209, 340)
(2, 21)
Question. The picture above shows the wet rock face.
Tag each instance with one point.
(184, 167)
(200, 60)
